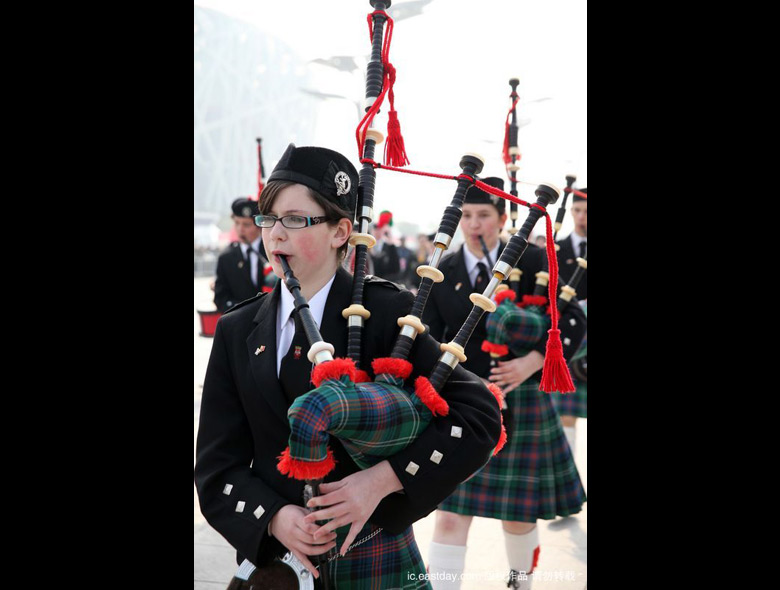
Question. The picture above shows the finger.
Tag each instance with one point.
(353, 533)
(332, 525)
(308, 528)
(331, 486)
(306, 563)
(328, 499)
(318, 549)
(325, 513)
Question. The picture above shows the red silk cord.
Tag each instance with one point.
(555, 373)
(395, 152)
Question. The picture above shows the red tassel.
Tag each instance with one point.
(555, 373)
(499, 349)
(266, 289)
(395, 367)
(333, 370)
(505, 294)
(395, 152)
(536, 559)
(361, 376)
(297, 469)
(267, 269)
(430, 397)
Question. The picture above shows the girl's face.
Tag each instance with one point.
(311, 251)
(481, 220)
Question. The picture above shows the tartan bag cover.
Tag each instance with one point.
(373, 420)
(515, 328)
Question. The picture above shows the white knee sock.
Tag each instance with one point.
(445, 564)
(521, 550)
(571, 436)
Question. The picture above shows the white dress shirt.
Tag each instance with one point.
(285, 324)
(575, 243)
(472, 261)
(254, 260)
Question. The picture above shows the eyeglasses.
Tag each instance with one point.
(288, 221)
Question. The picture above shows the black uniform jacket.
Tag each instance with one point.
(449, 306)
(234, 284)
(567, 264)
(244, 428)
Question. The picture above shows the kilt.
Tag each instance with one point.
(572, 404)
(384, 562)
(533, 476)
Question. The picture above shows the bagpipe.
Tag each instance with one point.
(517, 327)
(375, 419)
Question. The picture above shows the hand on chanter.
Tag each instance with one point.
(292, 531)
(352, 500)
(510, 374)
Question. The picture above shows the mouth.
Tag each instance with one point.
(275, 254)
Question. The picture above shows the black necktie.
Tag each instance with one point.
(482, 277)
(295, 370)
(583, 248)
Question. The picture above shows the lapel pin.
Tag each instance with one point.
(260, 349)
(240, 264)
(297, 353)
(457, 287)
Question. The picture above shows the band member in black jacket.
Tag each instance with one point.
(242, 268)
(258, 366)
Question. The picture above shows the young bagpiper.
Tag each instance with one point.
(258, 367)
(534, 476)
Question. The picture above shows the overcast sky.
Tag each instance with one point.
(453, 66)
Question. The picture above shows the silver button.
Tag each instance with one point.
(412, 467)
(456, 431)
(259, 512)
(240, 506)
(567, 341)
(572, 321)
(436, 457)
(228, 489)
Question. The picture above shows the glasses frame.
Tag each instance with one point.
(309, 220)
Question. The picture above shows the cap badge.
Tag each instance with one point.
(246, 212)
(342, 183)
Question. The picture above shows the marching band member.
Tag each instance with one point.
(259, 365)
(534, 476)
(242, 269)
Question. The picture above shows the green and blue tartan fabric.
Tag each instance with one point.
(519, 328)
(373, 420)
(393, 559)
(534, 475)
(572, 404)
